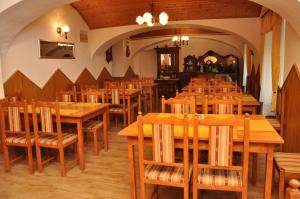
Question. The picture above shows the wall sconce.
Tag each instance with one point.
(63, 31)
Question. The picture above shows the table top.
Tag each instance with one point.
(261, 131)
(76, 109)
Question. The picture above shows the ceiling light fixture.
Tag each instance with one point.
(149, 18)
(180, 40)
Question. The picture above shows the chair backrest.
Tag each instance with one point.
(148, 80)
(228, 95)
(222, 106)
(93, 96)
(112, 84)
(132, 84)
(14, 119)
(205, 88)
(226, 88)
(48, 115)
(162, 132)
(220, 143)
(198, 80)
(66, 96)
(179, 105)
(115, 96)
(88, 87)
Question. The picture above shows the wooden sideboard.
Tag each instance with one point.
(167, 87)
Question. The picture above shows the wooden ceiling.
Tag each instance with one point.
(175, 31)
(108, 13)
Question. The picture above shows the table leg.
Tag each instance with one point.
(151, 100)
(132, 177)
(80, 145)
(269, 172)
(129, 110)
(156, 98)
(105, 132)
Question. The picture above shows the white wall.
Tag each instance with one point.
(292, 49)
(23, 53)
(1, 81)
(144, 63)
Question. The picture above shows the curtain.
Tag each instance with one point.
(271, 22)
(266, 75)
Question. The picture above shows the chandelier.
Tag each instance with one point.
(180, 40)
(149, 18)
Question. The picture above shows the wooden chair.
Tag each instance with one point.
(66, 96)
(226, 88)
(116, 97)
(206, 88)
(219, 173)
(148, 80)
(15, 130)
(198, 80)
(183, 106)
(277, 121)
(50, 136)
(88, 87)
(222, 106)
(286, 164)
(111, 84)
(293, 191)
(228, 95)
(162, 169)
(94, 125)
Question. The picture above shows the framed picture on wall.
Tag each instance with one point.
(56, 50)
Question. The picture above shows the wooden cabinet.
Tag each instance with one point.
(167, 62)
(167, 88)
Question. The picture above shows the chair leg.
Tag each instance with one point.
(105, 140)
(143, 191)
(30, 159)
(62, 161)
(39, 158)
(245, 193)
(195, 192)
(281, 185)
(6, 158)
(254, 168)
(96, 145)
(186, 191)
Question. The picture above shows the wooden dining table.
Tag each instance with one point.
(77, 113)
(263, 139)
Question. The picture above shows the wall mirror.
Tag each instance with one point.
(56, 50)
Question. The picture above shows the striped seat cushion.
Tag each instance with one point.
(275, 123)
(289, 162)
(53, 139)
(219, 177)
(66, 98)
(92, 99)
(19, 139)
(166, 174)
(162, 143)
(92, 124)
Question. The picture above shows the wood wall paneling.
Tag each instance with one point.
(86, 78)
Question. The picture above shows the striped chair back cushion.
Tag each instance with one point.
(14, 99)
(220, 146)
(182, 108)
(163, 149)
(92, 98)
(46, 120)
(200, 90)
(115, 96)
(66, 98)
(224, 109)
(14, 119)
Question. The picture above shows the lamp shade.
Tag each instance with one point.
(139, 20)
(150, 23)
(65, 28)
(163, 18)
(147, 17)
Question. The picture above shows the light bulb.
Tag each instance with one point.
(150, 23)
(65, 28)
(163, 18)
(175, 38)
(185, 38)
(147, 17)
(139, 20)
